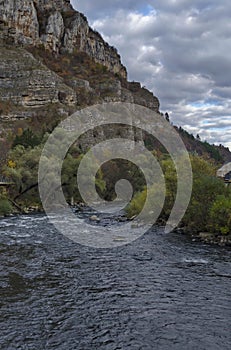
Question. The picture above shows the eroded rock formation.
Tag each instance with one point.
(57, 26)
(81, 68)
(26, 82)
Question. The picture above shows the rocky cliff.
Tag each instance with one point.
(57, 26)
(51, 63)
(49, 54)
(27, 82)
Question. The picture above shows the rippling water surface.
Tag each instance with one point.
(160, 292)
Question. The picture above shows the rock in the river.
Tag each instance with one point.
(215, 238)
(95, 218)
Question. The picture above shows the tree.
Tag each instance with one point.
(27, 139)
(220, 215)
(167, 117)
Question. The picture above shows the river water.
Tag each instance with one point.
(160, 292)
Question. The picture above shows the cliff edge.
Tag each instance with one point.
(57, 26)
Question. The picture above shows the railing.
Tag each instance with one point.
(227, 181)
(5, 181)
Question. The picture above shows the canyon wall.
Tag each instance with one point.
(57, 26)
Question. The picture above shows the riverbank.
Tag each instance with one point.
(206, 237)
(211, 238)
(203, 237)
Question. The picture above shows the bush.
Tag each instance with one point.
(210, 204)
(27, 139)
(220, 215)
(5, 207)
(137, 203)
(205, 190)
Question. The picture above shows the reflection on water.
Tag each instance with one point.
(160, 292)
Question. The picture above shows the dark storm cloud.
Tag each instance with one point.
(179, 49)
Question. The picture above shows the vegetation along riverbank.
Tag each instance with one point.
(52, 66)
(208, 217)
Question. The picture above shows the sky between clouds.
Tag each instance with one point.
(181, 50)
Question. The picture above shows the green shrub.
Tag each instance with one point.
(27, 139)
(137, 203)
(205, 190)
(5, 207)
(220, 215)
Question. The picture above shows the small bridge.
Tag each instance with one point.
(225, 173)
(227, 178)
(4, 182)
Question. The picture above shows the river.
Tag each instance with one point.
(162, 291)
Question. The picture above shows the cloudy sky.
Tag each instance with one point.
(179, 49)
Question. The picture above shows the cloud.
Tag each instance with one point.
(102, 8)
(179, 49)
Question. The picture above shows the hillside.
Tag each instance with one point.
(52, 63)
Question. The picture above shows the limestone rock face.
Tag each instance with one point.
(57, 26)
(54, 32)
(143, 97)
(103, 53)
(26, 82)
(29, 26)
(54, 4)
(22, 17)
(76, 33)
